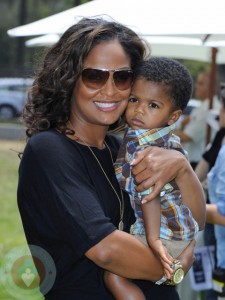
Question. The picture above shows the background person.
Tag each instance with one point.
(68, 196)
(194, 127)
(205, 165)
(193, 136)
(161, 91)
(210, 155)
(216, 183)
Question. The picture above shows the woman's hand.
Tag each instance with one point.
(187, 256)
(156, 166)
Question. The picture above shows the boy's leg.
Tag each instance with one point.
(122, 288)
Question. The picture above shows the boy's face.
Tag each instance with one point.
(149, 106)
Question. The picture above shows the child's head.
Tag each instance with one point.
(161, 91)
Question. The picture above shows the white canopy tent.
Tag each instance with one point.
(180, 48)
(200, 20)
(192, 18)
(197, 22)
(44, 40)
(185, 48)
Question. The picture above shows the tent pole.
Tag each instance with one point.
(212, 88)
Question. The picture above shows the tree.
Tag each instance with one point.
(20, 41)
(15, 58)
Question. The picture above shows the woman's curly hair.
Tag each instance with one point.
(49, 99)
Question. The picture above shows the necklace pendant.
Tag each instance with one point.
(120, 227)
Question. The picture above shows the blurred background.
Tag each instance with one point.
(18, 63)
(17, 60)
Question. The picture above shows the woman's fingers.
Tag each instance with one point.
(154, 193)
(154, 167)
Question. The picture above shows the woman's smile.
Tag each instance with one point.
(106, 106)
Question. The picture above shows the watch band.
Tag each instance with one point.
(161, 280)
(176, 265)
(178, 273)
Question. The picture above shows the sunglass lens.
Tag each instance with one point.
(123, 79)
(94, 78)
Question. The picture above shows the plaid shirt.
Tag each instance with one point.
(177, 222)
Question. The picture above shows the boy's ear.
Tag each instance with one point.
(175, 115)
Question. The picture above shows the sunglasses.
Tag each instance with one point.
(97, 78)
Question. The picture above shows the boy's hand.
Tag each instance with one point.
(165, 258)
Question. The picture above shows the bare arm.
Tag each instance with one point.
(202, 169)
(213, 216)
(193, 195)
(183, 137)
(124, 255)
(155, 166)
(180, 132)
(151, 216)
(185, 121)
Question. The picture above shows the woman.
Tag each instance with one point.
(216, 183)
(216, 214)
(204, 166)
(210, 155)
(68, 196)
(210, 158)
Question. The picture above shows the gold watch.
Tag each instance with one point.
(178, 273)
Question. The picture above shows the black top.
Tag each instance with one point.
(211, 154)
(67, 206)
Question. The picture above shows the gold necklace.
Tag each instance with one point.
(121, 201)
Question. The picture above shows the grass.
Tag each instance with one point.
(11, 231)
(11, 121)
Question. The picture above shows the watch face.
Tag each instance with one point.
(178, 276)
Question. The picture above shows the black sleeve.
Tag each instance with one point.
(211, 154)
(56, 198)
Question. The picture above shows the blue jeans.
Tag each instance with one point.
(209, 239)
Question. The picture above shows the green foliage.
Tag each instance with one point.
(195, 67)
(11, 234)
(11, 59)
(15, 61)
(7, 57)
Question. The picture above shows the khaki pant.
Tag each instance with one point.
(173, 247)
